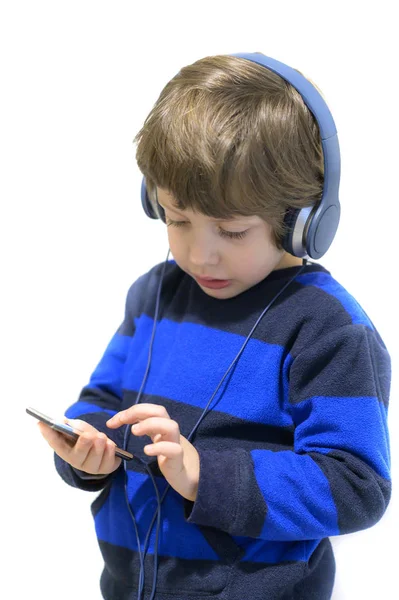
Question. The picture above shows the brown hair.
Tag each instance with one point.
(228, 137)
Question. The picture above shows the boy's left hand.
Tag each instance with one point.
(178, 460)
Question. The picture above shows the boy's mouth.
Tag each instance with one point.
(212, 283)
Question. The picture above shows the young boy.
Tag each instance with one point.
(253, 471)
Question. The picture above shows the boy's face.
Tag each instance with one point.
(210, 248)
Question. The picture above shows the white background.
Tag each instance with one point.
(78, 79)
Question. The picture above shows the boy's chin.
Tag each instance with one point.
(230, 291)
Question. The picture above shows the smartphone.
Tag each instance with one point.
(69, 432)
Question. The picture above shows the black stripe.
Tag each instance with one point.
(360, 495)
(203, 579)
(218, 431)
(182, 300)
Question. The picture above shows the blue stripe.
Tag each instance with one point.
(83, 408)
(325, 282)
(294, 487)
(297, 495)
(357, 425)
(201, 355)
(176, 538)
(108, 372)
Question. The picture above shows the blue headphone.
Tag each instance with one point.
(310, 230)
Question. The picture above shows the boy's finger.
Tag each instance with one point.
(58, 442)
(136, 413)
(80, 426)
(94, 457)
(168, 449)
(87, 453)
(109, 461)
(82, 448)
(152, 426)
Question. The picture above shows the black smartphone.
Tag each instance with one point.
(69, 432)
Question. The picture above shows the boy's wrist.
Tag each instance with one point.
(88, 476)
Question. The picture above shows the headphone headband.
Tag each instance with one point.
(311, 230)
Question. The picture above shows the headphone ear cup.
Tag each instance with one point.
(148, 205)
(290, 218)
(296, 240)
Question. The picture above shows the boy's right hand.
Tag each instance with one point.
(92, 452)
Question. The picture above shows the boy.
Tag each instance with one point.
(251, 477)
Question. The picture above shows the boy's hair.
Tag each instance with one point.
(229, 137)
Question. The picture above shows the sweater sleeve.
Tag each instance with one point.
(336, 480)
(102, 397)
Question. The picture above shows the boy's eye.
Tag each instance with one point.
(236, 235)
(229, 234)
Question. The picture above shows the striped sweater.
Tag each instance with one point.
(295, 448)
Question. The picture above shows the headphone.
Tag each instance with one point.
(310, 230)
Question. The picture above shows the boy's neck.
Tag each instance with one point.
(288, 261)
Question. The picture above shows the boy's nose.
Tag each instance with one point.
(202, 252)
